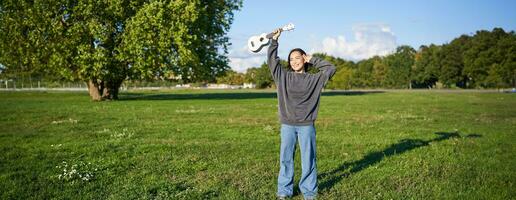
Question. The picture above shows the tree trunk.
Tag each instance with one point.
(111, 89)
(104, 90)
(94, 90)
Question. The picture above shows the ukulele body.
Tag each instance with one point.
(256, 43)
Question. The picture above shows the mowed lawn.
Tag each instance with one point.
(224, 144)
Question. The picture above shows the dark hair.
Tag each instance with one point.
(305, 66)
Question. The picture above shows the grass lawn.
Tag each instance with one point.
(224, 144)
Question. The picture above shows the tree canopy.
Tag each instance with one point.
(104, 42)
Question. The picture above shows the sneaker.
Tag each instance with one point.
(282, 197)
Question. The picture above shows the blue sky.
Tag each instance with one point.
(357, 30)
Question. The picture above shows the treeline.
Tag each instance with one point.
(486, 59)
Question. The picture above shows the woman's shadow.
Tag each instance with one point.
(329, 179)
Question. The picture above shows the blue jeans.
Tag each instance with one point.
(289, 136)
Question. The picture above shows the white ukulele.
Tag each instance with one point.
(257, 42)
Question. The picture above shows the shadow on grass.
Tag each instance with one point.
(226, 95)
(329, 179)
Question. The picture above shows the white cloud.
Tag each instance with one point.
(370, 40)
(241, 59)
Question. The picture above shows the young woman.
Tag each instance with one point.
(298, 99)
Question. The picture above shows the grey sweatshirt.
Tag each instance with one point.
(298, 93)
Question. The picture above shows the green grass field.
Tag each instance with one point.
(224, 144)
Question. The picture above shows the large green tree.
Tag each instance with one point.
(452, 62)
(399, 67)
(22, 45)
(425, 72)
(502, 73)
(104, 42)
(487, 49)
(379, 71)
(363, 75)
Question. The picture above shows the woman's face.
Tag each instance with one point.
(297, 61)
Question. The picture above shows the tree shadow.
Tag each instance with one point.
(329, 179)
(224, 95)
(350, 92)
(198, 96)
